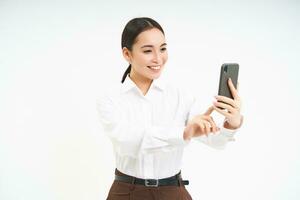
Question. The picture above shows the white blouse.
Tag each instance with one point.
(147, 130)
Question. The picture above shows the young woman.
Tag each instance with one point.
(150, 122)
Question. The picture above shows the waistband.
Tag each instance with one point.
(175, 180)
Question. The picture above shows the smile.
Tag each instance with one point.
(154, 67)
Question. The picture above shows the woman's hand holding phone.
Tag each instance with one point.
(230, 108)
(225, 105)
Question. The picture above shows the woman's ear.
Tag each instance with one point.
(126, 54)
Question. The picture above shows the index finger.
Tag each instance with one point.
(209, 110)
(232, 89)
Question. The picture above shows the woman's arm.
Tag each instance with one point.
(203, 128)
(132, 139)
(230, 108)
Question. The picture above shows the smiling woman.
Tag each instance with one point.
(148, 52)
(150, 122)
(144, 47)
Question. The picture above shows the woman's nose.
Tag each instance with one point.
(157, 57)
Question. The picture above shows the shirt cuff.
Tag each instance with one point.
(228, 133)
(157, 137)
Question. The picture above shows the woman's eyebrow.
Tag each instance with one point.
(152, 45)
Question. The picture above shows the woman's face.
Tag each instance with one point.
(148, 55)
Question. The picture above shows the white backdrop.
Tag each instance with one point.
(57, 56)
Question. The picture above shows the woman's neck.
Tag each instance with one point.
(142, 83)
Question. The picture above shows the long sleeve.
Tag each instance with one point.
(219, 139)
(131, 138)
(216, 140)
(146, 130)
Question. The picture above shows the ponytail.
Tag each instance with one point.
(125, 73)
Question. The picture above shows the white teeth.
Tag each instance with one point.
(156, 67)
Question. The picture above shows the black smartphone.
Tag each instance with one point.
(228, 70)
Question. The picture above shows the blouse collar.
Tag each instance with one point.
(128, 84)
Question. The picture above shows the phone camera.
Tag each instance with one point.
(225, 68)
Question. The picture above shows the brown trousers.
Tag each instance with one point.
(126, 191)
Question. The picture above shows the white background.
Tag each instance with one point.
(57, 56)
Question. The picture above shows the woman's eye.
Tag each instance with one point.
(147, 51)
(163, 49)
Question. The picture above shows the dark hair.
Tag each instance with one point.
(132, 29)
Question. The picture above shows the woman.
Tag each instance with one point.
(150, 122)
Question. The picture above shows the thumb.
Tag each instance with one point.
(209, 110)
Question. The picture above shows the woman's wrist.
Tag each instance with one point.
(229, 125)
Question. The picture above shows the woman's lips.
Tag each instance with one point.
(155, 68)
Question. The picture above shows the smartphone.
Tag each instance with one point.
(228, 70)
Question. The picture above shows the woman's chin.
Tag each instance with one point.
(154, 76)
